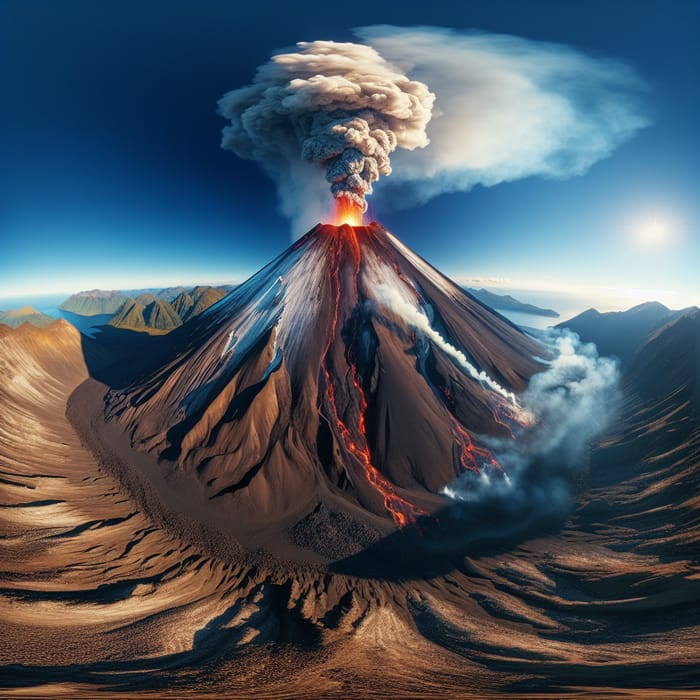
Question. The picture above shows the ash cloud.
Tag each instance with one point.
(572, 402)
(506, 108)
(338, 109)
(452, 109)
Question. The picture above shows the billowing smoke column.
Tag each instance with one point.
(502, 107)
(337, 105)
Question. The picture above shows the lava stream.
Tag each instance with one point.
(402, 511)
(472, 457)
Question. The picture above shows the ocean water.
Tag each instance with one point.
(567, 305)
(525, 320)
(48, 304)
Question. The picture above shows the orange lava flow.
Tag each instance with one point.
(347, 212)
(504, 415)
(402, 511)
(497, 412)
(471, 456)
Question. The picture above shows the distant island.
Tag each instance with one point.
(153, 310)
(505, 302)
(94, 302)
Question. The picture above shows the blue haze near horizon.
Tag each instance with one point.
(49, 304)
(112, 175)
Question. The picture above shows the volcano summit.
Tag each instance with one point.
(348, 377)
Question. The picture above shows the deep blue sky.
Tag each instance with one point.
(111, 173)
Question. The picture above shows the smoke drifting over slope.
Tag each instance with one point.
(573, 400)
(495, 107)
(399, 301)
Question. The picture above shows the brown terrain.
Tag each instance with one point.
(213, 512)
(16, 317)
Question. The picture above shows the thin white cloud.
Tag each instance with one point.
(506, 108)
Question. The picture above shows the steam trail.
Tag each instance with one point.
(398, 299)
(417, 319)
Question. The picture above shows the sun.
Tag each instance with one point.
(654, 231)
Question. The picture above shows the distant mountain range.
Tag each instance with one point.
(16, 317)
(146, 312)
(623, 333)
(94, 302)
(155, 310)
(668, 362)
(505, 302)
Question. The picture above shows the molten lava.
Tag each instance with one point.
(346, 244)
(347, 212)
(403, 512)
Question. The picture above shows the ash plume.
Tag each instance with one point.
(339, 106)
(456, 109)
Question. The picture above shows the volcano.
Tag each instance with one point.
(214, 511)
(347, 381)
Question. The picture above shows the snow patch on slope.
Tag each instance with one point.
(392, 293)
(439, 280)
(284, 295)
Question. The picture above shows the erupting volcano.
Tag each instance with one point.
(348, 212)
(347, 378)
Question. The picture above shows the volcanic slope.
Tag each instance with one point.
(347, 379)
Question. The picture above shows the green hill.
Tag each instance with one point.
(130, 315)
(151, 310)
(94, 302)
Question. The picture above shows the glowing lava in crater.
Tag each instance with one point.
(347, 212)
